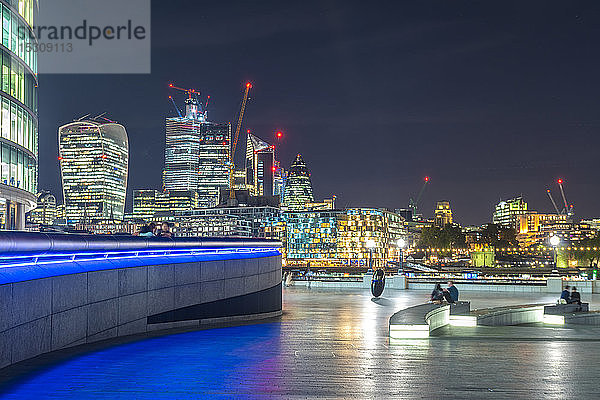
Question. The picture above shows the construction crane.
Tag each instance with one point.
(188, 91)
(236, 136)
(175, 105)
(568, 210)
(413, 204)
(553, 202)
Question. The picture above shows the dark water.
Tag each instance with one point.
(333, 344)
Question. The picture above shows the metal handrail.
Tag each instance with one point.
(41, 243)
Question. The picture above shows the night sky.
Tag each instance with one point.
(490, 99)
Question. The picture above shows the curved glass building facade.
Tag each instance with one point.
(94, 160)
(18, 113)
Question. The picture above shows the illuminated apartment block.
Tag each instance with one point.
(339, 237)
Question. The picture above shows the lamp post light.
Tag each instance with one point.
(554, 242)
(401, 243)
(370, 245)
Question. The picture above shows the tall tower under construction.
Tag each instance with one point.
(197, 154)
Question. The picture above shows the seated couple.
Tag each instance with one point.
(449, 294)
(570, 298)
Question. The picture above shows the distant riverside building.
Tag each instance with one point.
(508, 212)
(533, 221)
(298, 188)
(144, 203)
(197, 155)
(326, 204)
(247, 221)
(94, 160)
(443, 214)
(45, 212)
(339, 237)
(148, 203)
(18, 114)
(260, 166)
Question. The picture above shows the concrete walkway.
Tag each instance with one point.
(334, 343)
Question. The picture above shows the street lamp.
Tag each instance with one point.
(554, 242)
(370, 245)
(401, 243)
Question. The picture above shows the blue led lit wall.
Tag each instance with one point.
(59, 290)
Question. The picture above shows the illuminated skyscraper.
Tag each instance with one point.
(93, 163)
(213, 162)
(197, 154)
(298, 188)
(18, 114)
(260, 166)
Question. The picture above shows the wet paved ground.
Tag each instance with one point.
(334, 344)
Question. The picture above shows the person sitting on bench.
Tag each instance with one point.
(575, 296)
(565, 295)
(453, 292)
(437, 295)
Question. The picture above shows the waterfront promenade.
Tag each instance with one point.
(333, 343)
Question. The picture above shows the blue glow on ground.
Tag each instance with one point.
(201, 364)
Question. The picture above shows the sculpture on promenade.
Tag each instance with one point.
(378, 283)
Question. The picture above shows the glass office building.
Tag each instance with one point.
(298, 188)
(260, 166)
(18, 114)
(197, 155)
(93, 163)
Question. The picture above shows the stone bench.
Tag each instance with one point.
(416, 322)
(559, 309)
(419, 321)
(511, 315)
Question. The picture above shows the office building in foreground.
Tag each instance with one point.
(18, 114)
(93, 159)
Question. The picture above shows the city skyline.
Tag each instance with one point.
(522, 132)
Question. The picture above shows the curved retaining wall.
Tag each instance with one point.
(58, 291)
(517, 315)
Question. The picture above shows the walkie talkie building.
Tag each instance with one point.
(18, 113)
(93, 164)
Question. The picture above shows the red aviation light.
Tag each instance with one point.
(426, 179)
(248, 85)
(559, 181)
(104, 156)
(59, 158)
(224, 143)
(279, 134)
(170, 85)
(248, 131)
(273, 168)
